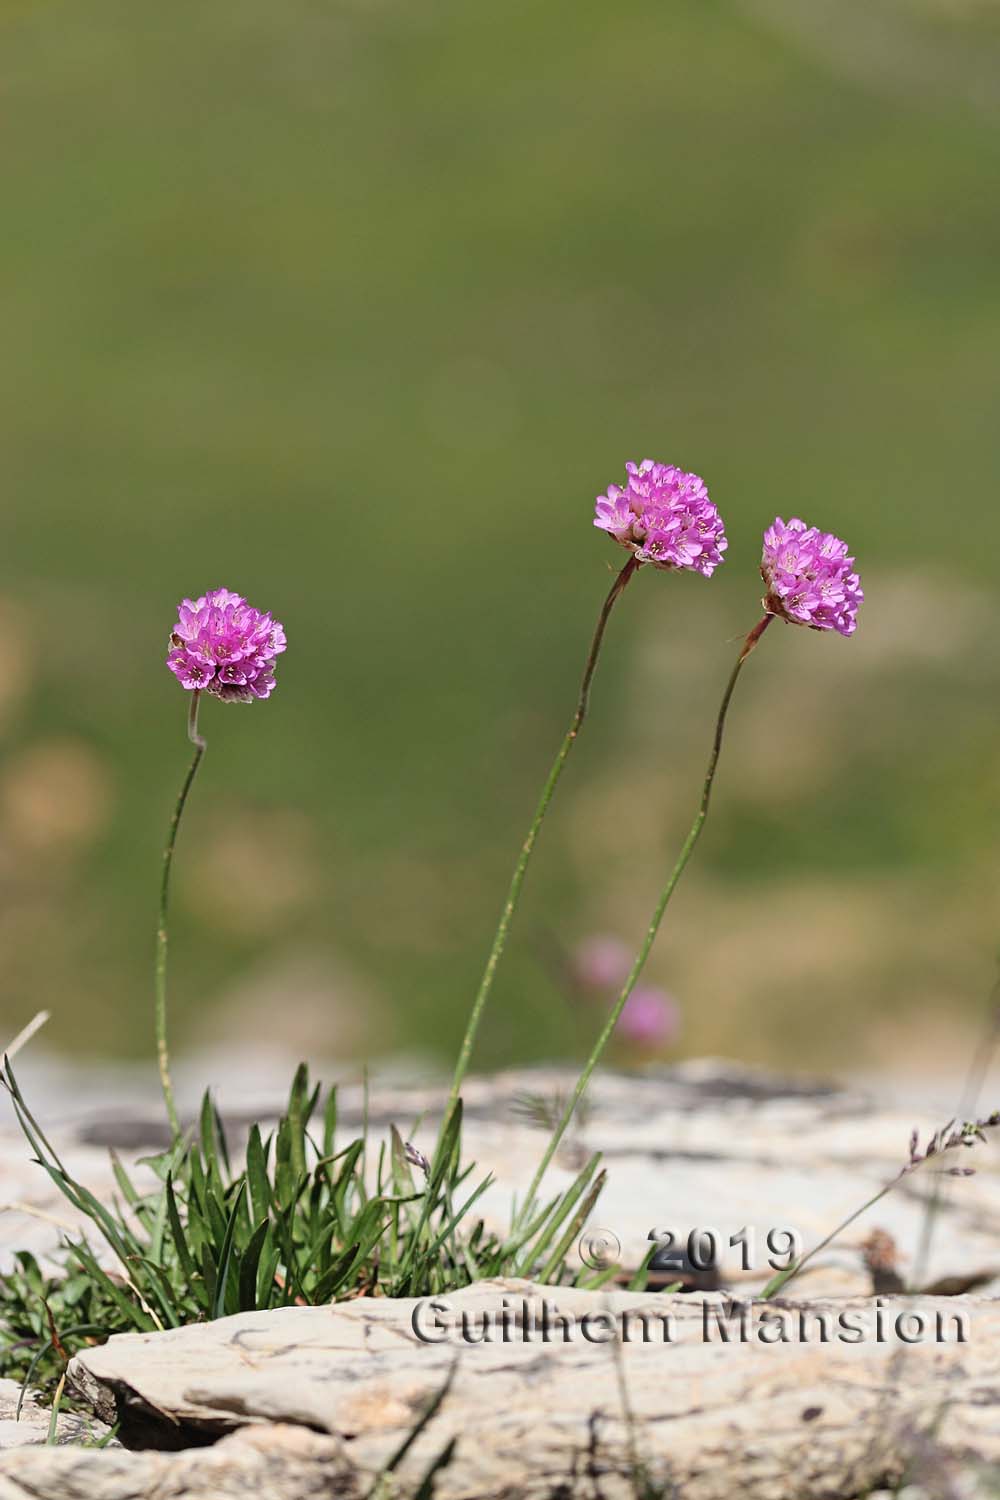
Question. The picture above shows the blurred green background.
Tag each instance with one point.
(353, 306)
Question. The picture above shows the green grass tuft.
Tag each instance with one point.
(298, 1221)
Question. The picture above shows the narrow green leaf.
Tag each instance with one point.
(218, 1221)
(196, 1184)
(561, 1209)
(220, 1135)
(26, 1118)
(266, 1284)
(335, 1277)
(158, 1229)
(210, 1276)
(135, 1316)
(210, 1144)
(330, 1122)
(184, 1255)
(572, 1233)
(227, 1254)
(457, 1217)
(260, 1186)
(249, 1264)
(124, 1181)
(166, 1295)
(297, 1118)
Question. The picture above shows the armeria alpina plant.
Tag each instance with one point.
(303, 1219)
(809, 580)
(662, 516)
(219, 645)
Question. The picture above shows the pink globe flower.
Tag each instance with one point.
(601, 962)
(223, 646)
(650, 1018)
(810, 578)
(665, 517)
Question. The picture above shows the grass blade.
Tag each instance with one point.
(225, 1259)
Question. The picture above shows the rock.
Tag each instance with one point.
(308, 1402)
(276, 1463)
(704, 1144)
(710, 1144)
(31, 1427)
(710, 1418)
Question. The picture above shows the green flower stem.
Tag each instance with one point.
(160, 968)
(520, 869)
(654, 926)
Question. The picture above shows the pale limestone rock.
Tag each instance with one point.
(31, 1426)
(702, 1144)
(276, 1463)
(710, 1417)
(321, 1398)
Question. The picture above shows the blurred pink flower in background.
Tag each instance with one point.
(601, 962)
(650, 1018)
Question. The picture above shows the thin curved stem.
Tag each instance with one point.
(520, 869)
(160, 967)
(654, 926)
(783, 1277)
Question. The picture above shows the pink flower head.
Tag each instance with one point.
(222, 645)
(665, 517)
(649, 1018)
(810, 578)
(601, 962)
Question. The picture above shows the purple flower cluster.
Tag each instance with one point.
(665, 517)
(810, 578)
(221, 644)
